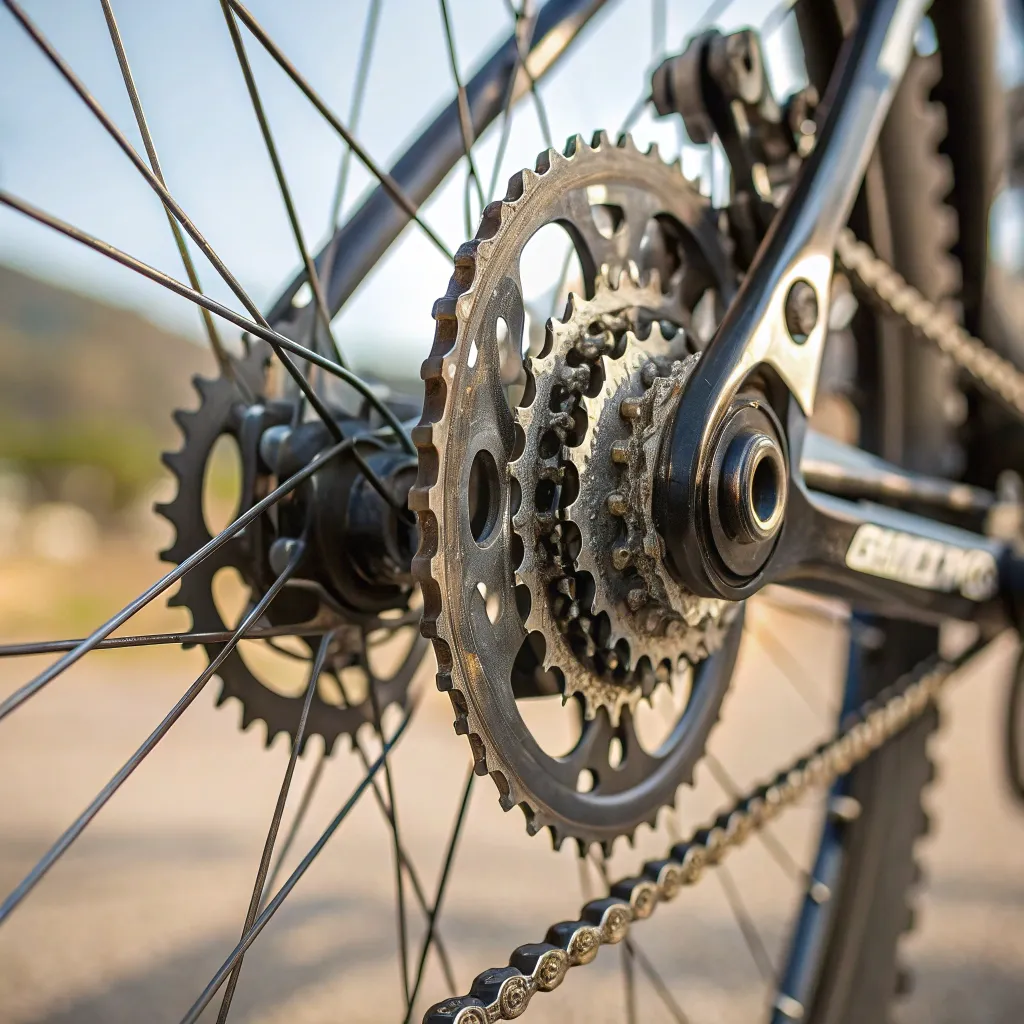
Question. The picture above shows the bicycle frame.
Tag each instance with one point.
(907, 565)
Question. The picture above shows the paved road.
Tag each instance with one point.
(132, 923)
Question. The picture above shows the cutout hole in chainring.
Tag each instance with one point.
(484, 496)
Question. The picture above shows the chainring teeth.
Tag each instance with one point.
(447, 376)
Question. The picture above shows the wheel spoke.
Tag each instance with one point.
(275, 821)
(400, 913)
(751, 936)
(293, 830)
(712, 13)
(172, 206)
(387, 810)
(659, 27)
(465, 121)
(628, 982)
(659, 33)
(293, 879)
(635, 951)
(32, 687)
(767, 838)
(391, 816)
(658, 983)
(116, 643)
(583, 870)
(782, 658)
(221, 355)
(387, 181)
(634, 114)
(414, 880)
(435, 910)
(524, 22)
(282, 182)
(73, 831)
(268, 334)
(523, 46)
(368, 233)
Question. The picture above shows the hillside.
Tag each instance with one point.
(85, 382)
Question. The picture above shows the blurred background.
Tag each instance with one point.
(93, 360)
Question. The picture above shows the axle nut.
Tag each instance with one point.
(753, 487)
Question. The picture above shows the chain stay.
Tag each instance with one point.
(504, 993)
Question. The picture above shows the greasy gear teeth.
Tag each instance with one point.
(534, 545)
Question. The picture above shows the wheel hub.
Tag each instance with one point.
(353, 580)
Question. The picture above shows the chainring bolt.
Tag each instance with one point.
(629, 408)
(617, 503)
(648, 374)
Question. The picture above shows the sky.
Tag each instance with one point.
(54, 154)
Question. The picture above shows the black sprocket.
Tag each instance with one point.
(221, 412)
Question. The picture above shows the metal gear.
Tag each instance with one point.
(363, 693)
(497, 486)
(620, 549)
(628, 634)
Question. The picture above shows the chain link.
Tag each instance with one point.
(503, 993)
(887, 287)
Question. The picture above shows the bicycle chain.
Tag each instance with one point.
(503, 993)
(888, 288)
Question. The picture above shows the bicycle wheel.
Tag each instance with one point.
(606, 701)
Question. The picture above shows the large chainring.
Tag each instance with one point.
(357, 684)
(537, 557)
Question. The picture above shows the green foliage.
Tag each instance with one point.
(128, 452)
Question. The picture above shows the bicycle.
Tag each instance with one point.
(727, 400)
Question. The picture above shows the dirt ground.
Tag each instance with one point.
(134, 921)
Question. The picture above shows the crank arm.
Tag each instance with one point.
(893, 562)
(886, 560)
(776, 326)
(761, 325)
(880, 559)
